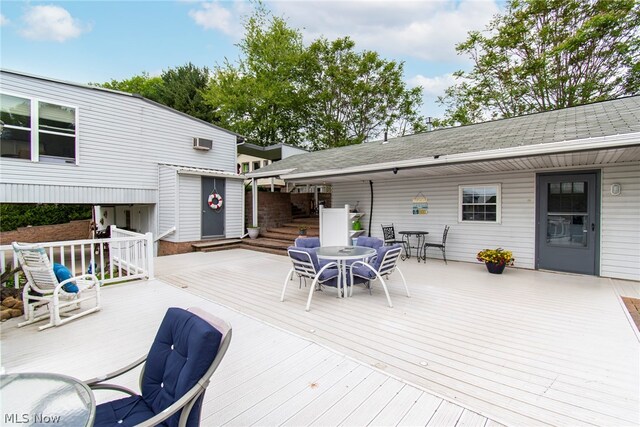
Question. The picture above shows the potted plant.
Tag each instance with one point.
(254, 231)
(496, 259)
(302, 230)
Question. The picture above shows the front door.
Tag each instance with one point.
(213, 210)
(567, 222)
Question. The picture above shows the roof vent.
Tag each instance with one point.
(202, 144)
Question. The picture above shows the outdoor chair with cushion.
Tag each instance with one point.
(441, 246)
(186, 351)
(306, 265)
(51, 290)
(307, 242)
(389, 235)
(385, 263)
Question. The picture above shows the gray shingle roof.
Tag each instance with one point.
(615, 117)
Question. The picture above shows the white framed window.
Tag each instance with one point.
(245, 167)
(38, 130)
(256, 165)
(479, 203)
(265, 163)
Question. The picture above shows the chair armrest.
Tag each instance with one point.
(178, 405)
(117, 373)
(114, 387)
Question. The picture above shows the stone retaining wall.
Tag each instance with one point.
(74, 230)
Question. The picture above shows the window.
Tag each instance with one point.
(15, 112)
(479, 203)
(265, 163)
(245, 167)
(38, 130)
(256, 165)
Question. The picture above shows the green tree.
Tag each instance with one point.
(547, 54)
(184, 88)
(261, 97)
(143, 85)
(355, 96)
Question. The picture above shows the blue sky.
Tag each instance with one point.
(96, 41)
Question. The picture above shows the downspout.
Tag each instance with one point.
(371, 207)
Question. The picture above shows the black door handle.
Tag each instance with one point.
(593, 227)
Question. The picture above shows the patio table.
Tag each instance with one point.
(421, 237)
(39, 398)
(342, 254)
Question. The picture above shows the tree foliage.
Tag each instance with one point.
(547, 54)
(323, 95)
(181, 88)
(13, 216)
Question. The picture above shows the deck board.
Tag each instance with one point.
(525, 347)
(268, 377)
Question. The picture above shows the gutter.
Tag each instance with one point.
(269, 174)
(586, 144)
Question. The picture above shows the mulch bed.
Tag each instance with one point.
(633, 305)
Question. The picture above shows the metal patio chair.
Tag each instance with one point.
(307, 266)
(389, 235)
(186, 351)
(442, 246)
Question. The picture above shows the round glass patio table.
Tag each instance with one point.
(342, 254)
(421, 237)
(45, 399)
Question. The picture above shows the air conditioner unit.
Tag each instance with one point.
(202, 144)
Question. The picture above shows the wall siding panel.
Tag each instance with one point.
(233, 201)
(122, 140)
(189, 208)
(167, 201)
(620, 223)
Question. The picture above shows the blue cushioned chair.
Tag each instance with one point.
(188, 347)
(306, 265)
(307, 242)
(369, 242)
(385, 263)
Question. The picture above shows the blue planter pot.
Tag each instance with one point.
(495, 268)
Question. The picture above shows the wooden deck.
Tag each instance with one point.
(268, 377)
(522, 348)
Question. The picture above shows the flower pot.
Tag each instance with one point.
(302, 232)
(254, 232)
(494, 268)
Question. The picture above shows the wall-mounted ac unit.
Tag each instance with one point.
(202, 144)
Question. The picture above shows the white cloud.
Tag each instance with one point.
(3, 20)
(433, 86)
(214, 15)
(426, 30)
(51, 23)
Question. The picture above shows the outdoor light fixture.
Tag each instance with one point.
(395, 171)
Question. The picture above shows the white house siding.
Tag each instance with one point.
(620, 215)
(233, 208)
(620, 241)
(122, 140)
(106, 195)
(189, 208)
(393, 203)
(167, 206)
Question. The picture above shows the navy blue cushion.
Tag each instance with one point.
(326, 275)
(365, 272)
(181, 353)
(132, 410)
(62, 273)
(370, 242)
(307, 242)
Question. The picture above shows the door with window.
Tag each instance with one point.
(213, 207)
(567, 223)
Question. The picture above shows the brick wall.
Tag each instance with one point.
(173, 248)
(274, 209)
(74, 230)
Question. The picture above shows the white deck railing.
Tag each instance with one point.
(124, 256)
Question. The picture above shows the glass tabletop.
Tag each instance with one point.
(45, 399)
(344, 252)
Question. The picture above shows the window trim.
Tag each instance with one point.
(35, 125)
(498, 188)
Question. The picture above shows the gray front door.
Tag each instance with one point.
(567, 222)
(213, 216)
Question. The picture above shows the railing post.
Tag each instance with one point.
(149, 246)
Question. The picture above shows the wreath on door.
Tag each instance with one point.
(215, 201)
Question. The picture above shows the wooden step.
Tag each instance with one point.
(212, 245)
(264, 242)
(262, 249)
(288, 237)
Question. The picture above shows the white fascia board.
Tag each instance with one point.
(268, 174)
(587, 144)
(215, 174)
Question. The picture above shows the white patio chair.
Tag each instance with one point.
(43, 291)
(306, 265)
(383, 265)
